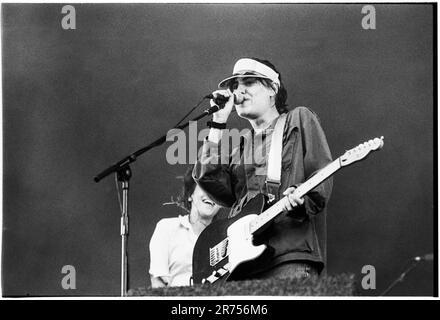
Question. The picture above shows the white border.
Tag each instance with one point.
(255, 298)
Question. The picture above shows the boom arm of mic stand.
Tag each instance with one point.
(133, 157)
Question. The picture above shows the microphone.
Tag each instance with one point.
(426, 257)
(221, 100)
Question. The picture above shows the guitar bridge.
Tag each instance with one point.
(217, 274)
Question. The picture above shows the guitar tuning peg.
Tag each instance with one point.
(379, 141)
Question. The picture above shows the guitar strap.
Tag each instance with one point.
(273, 178)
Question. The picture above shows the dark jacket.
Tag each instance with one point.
(231, 181)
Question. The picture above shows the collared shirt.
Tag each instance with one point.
(171, 251)
(232, 181)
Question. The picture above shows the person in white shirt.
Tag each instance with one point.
(172, 243)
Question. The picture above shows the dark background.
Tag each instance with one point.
(76, 101)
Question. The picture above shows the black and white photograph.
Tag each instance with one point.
(217, 150)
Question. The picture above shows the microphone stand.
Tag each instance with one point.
(415, 262)
(123, 173)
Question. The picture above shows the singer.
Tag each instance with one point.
(297, 238)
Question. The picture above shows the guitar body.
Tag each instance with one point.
(241, 251)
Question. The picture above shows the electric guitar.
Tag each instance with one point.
(225, 248)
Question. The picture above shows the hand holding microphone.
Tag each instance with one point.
(225, 99)
(221, 99)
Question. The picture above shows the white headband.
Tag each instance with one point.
(247, 65)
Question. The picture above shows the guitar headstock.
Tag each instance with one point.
(361, 151)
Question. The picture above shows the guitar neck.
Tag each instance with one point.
(269, 214)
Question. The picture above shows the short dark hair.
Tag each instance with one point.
(281, 96)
